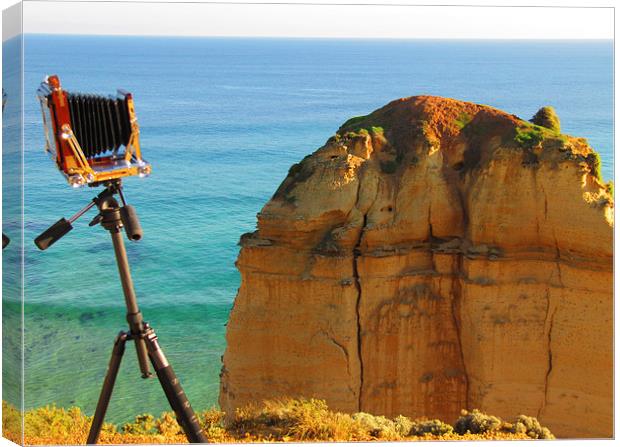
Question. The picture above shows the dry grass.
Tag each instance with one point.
(287, 420)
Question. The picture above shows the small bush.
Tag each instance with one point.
(476, 422)
(433, 427)
(213, 425)
(167, 425)
(593, 160)
(403, 425)
(547, 117)
(378, 427)
(143, 424)
(531, 427)
(298, 419)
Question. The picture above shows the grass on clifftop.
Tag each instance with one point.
(288, 420)
(352, 122)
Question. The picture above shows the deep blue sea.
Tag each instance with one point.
(221, 121)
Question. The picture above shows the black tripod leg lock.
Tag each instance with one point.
(137, 328)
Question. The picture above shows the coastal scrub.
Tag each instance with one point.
(286, 420)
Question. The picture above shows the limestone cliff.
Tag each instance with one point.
(433, 256)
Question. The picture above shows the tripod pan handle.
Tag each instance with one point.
(131, 223)
(53, 233)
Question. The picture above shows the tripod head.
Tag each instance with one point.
(112, 216)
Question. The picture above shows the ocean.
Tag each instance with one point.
(222, 120)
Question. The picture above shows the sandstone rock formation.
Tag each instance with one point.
(433, 256)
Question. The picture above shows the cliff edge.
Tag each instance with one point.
(433, 256)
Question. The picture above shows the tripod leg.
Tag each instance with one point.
(173, 390)
(134, 317)
(107, 388)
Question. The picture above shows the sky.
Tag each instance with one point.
(304, 20)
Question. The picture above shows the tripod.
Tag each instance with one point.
(113, 218)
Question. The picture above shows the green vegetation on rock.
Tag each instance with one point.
(359, 125)
(463, 120)
(529, 136)
(371, 130)
(351, 122)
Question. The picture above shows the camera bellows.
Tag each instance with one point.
(92, 138)
(100, 124)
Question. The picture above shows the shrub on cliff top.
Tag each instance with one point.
(351, 122)
(358, 125)
(54, 424)
(433, 427)
(531, 427)
(58, 422)
(593, 160)
(547, 117)
(11, 423)
(298, 419)
(403, 425)
(378, 427)
(476, 422)
(143, 424)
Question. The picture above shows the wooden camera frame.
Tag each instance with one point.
(85, 134)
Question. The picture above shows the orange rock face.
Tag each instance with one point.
(433, 256)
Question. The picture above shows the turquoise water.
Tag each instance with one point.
(12, 224)
(222, 120)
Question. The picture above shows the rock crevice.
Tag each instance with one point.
(356, 279)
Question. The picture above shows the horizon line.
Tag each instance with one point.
(220, 36)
